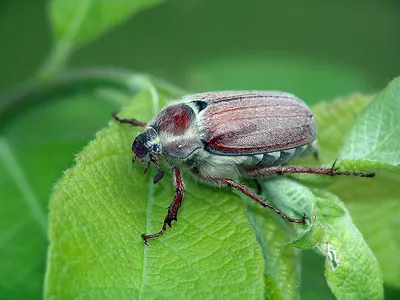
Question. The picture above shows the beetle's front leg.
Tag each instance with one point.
(227, 182)
(173, 208)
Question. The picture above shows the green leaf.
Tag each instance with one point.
(103, 204)
(374, 138)
(35, 147)
(77, 22)
(374, 203)
(375, 206)
(333, 121)
(351, 269)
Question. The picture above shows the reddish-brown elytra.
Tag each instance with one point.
(220, 135)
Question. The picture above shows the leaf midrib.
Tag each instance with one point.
(150, 200)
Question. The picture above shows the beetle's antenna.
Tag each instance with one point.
(160, 174)
(133, 122)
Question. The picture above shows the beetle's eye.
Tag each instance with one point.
(156, 148)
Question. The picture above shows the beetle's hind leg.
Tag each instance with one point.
(173, 208)
(133, 122)
(280, 170)
(241, 188)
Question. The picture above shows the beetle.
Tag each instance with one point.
(220, 135)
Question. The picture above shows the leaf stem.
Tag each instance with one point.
(55, 63)
(32, 92)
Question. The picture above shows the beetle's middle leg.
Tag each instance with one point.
(280, 170)
(173, 208)
(133, 122)
(241, 188)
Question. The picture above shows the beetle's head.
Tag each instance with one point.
(147, 148)
(146, 145)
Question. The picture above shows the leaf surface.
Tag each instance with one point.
(103, 204)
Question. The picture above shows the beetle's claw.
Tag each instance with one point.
(304, 219)
(145, 239)
(160, 174)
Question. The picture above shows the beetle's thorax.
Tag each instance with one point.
(177, 132)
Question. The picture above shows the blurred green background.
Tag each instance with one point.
(316, 49)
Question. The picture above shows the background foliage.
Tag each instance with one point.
(315, 50)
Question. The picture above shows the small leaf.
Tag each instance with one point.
(101, 207)
(289, 196)
(78, 22)
(351, 268)
(374, 138)
(310, 237)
